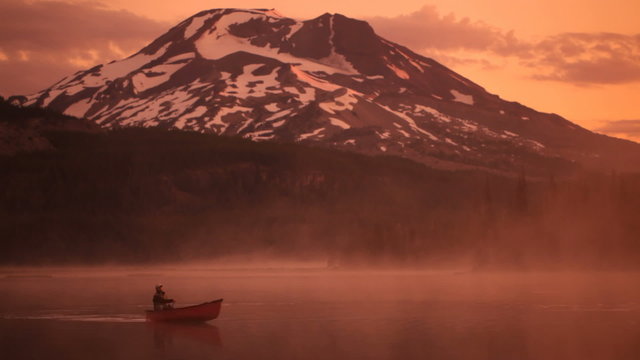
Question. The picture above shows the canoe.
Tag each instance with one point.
(196, 313)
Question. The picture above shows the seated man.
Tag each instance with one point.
(160, 302)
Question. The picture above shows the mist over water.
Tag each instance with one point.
(307, 311)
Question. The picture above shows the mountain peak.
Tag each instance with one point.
(270, 12)
(226, 11)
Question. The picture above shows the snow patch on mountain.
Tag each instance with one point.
(294, 29)
(192, 115)
(79, 109)
(247, 84)
(222, 126)
(339, 123)
(411, 61)
(279, 115)
(260, 135)
(180, 58)
(433, 112)
(124, 67)
(411, 122)
(399, 72)
(195, 25)
(310, 134)
(157, 75)
(278, 123)
(314, 81)
(272, 107)
(341, 103)
(462, 98)
(305, 95)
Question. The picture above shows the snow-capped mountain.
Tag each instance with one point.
(329, 81)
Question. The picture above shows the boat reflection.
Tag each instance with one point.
(168, 335)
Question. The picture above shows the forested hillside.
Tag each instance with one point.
(150, 195)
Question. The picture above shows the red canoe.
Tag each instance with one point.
(196, 313)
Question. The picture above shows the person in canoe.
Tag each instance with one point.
(160, 301)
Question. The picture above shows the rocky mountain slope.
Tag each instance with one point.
(329, 81)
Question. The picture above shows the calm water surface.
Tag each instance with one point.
(322, 314)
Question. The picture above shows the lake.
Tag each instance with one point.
(308, 312)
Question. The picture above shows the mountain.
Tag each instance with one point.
(329, 81)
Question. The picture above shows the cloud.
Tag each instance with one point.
(427, 29)
(588, 58)
(624, 128)
(577, 58)
(40, 42)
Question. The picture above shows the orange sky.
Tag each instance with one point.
(529, 17)
(594, 88)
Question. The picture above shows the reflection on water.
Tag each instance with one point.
(327, 315)
(51, 339)
(70, 315)
(165, 333)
